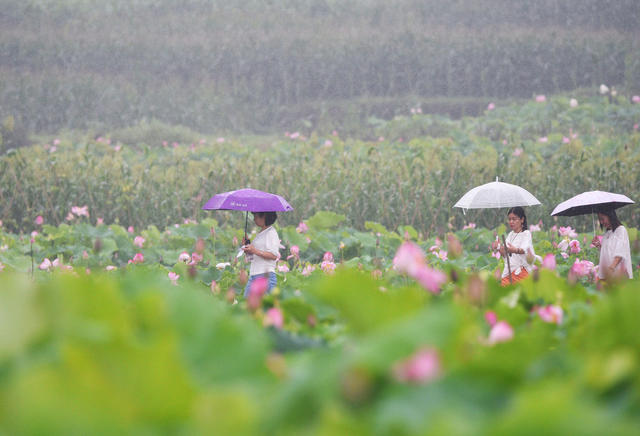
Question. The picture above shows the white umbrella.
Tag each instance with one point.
(496, 195)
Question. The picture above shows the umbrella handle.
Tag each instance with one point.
(246, 222)
(506, 255)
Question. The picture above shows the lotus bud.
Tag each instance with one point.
(200, 246)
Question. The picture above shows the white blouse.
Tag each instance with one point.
(615, 244)
(518, 261)
(266, 240)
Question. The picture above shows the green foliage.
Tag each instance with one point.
(392, 182)
(131, 352)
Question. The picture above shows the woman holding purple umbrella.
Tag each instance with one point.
(264, 251)
(615, 252)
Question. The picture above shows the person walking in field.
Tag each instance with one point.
(615, 252)
(264, 252)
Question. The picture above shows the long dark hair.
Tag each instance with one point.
(613, 218)
(519, 212)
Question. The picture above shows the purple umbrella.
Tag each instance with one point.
(589, 202)
(249, 200)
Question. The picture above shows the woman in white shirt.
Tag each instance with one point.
(615, 252)
(519, 247)
(264, 251)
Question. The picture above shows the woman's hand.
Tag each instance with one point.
(513, 249)
(249, 249)
(596, 242)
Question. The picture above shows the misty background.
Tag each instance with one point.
(252, 66)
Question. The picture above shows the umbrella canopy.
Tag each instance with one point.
(495, 195)
(589, 202)
(250, 200)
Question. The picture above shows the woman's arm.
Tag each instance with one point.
(251, 249)
(615, 263)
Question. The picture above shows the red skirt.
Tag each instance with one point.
(515, 277)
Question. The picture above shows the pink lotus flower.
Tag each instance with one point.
(282, 267)
(491, 317)
(534, 228)
(85, 255)
(294, 135)
(328, 143)
(409, 258)
(138, 258)
(635, 126)
(302, 227)
(635, 99)
(39, 220)
(130, 229)
(259, 286)
(563, 245)
(574, 246)
(549, 261)
(220, 140)
(543, 139)
(567, 231)
(328, 266)
(99, 221)
(1, 266)
(573, 102)
(196, 258)
(500, 332)
(184, 257)
(273, 317)
(422, 367)
(45, 265)
(70, 217)
(551, 314)
(442, 255)
(80, 211)
(599, 240)
(565, 140)
(111, 268)
(295, 252)
(328, 256)
(517, 152)
(308, 269)
(138, 241)
(174, 278)
(429, 278)
(582, 268)
(469, 226)
(564, 255)
(541, 98)
(491, 106)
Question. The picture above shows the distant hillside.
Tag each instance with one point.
(263, 66)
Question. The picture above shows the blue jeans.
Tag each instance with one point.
(272, 281)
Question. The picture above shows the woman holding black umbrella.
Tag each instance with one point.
(615, 252)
